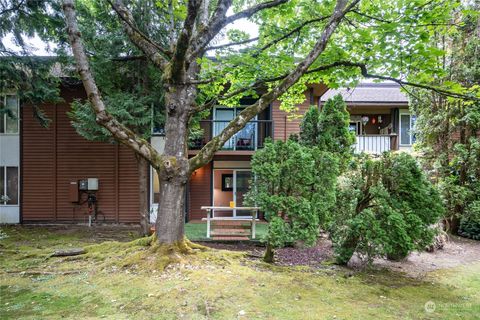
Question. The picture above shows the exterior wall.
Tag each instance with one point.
(55, 156)
(9, 157)
(285, 124)
(200, 192)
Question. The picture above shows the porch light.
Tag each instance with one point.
(365, 120)
(380, 119)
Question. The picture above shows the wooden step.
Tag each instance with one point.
(230, 223)
(233, 232)
(223, 238)
(235, 226)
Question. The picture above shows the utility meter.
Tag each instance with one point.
(90, 184)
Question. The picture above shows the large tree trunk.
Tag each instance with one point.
(173, 179)
(144, 207)
(170, 217)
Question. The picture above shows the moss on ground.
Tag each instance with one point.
(124, 280)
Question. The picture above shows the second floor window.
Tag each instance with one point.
(245, 139)
(8, 114)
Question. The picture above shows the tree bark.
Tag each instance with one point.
(171, 210)
(143, 196)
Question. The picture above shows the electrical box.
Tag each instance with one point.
(73, 192)
(90, 184)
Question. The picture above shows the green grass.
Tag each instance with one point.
(198, 231)
(210, 285)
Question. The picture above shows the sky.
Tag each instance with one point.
(40, 48)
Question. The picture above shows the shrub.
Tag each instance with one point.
(385, 207)
(294, 186)
(328, 129)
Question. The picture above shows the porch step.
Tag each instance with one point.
(231, 223)
(235, 226)
(223, 238)
(230, 232)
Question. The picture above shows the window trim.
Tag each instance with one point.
(3, 204)
(410, 134)
(3, 95)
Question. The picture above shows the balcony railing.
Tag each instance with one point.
(376, 143)
(251, 137)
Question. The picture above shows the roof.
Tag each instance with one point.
(369, 93)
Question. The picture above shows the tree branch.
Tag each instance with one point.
(154, 52)
(231, 44)
(182, 45)
(118, 130)
(208, 151)
(219, 21)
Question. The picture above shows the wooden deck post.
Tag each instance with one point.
(208, 222)
(253, 223)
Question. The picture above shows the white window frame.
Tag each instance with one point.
(411, 127)
(4, 204)
(4, 116)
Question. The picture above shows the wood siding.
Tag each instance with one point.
(285, 124)
(200, 192)
(54, 157)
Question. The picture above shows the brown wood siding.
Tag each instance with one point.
(200, 192)
(284, 123)
(54, 157)
(37, 170)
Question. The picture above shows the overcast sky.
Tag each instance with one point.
(40, 48)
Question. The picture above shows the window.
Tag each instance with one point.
(407, 124)
(245, 139)
(8, 185)
(8, 114)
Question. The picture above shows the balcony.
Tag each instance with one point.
(375, 143)
(250, 138)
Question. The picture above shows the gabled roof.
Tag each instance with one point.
(365, 93)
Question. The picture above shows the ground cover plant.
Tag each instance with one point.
(106, 283)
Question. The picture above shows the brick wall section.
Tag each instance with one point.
(54, 157)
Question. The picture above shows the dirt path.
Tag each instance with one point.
(458, 251)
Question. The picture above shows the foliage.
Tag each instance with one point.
(34, 79)
(328, 129)
(294, 186)
(384, 207)
(447, 129)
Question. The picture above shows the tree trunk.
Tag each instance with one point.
(173, 178)
(143, 195)
(269, 255)
(170, 217)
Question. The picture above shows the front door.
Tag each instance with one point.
(231, 185)
(241, 185)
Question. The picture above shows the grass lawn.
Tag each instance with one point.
(122, 280)
(198, 231)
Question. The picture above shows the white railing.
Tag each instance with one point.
(374, 143)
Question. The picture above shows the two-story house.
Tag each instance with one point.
(41, 169)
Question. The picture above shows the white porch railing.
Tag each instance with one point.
(375, 143)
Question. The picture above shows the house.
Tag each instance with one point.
(47, 174)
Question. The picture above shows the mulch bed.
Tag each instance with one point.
(290, 256)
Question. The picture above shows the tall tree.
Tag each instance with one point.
(300, 42)
(31, 77)
(132, 88)
(448, 129)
